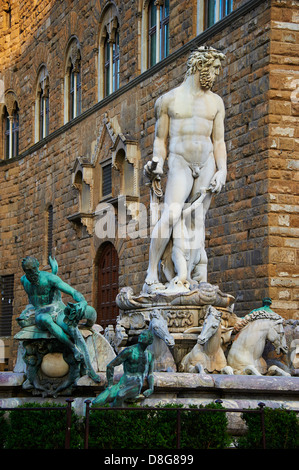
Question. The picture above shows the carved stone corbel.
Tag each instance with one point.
(75, 57)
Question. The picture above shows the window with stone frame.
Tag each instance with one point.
(215, 10)
(154, 32)
(111, 67)
(109, 53)
(158, 37)
(72, 82)
(42, 105)
(10, 127)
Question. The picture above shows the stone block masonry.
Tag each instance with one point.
(283, 158)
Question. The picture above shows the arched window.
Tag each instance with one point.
(42, 105)
(108, 76)
(75, 91)
(111, 67)
(10, 127)
(72, 82)
(108, 266)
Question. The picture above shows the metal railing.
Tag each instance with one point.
(178, 417)
(68, 410)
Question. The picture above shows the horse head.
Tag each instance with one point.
(276, 336)
(210, 325)
(159, 326)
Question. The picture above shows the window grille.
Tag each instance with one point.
(7, 297)
(50, 230)
(107, 179)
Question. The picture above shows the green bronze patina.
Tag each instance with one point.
(138, 364)
(265, 305)
(47, 317)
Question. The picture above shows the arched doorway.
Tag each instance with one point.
(108, 266)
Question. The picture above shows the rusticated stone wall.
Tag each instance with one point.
(238, 220)
(283, 158)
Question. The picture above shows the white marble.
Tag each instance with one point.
(189, 133)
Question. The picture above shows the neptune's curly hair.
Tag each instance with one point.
(201, 57)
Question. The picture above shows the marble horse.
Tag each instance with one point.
(163, 342)
(207, 356)
(251, 334)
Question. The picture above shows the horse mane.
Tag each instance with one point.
(259, 314)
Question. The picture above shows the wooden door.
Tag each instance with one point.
(107, 286)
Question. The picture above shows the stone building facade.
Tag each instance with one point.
(78, 83)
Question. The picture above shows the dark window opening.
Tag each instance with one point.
(50, 231)
(106, 180)
(6, 311)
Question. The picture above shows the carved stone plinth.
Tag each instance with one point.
(185, 313)
(50, 367)
(179, 318)
(204, 294)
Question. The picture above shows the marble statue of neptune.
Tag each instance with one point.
(189, 132)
